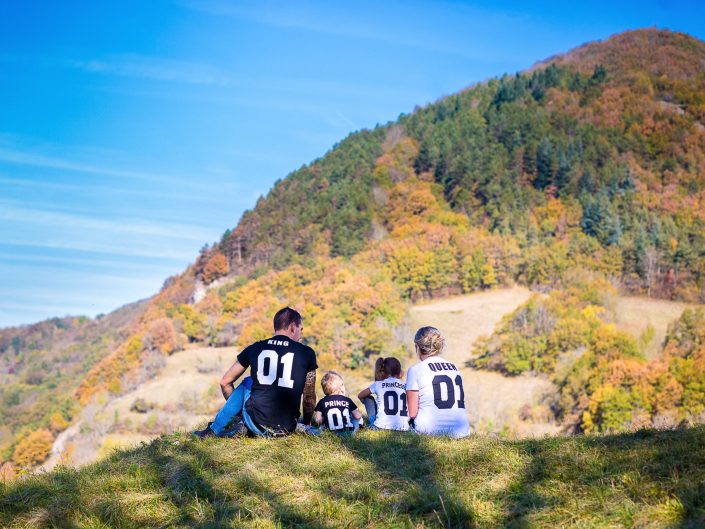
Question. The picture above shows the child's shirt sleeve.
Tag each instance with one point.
(412, 382)
(319, 406)
(373, 387)
(353, 406)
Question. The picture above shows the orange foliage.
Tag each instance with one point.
(57, 423)
(217, 266)
(33, 449)
(161, 336)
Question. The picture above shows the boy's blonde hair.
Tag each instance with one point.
(332, 383)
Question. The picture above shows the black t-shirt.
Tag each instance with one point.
(337, 412)
(278, 370)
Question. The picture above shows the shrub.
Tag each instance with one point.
(216, 267)
(161, 336)
(33, 449)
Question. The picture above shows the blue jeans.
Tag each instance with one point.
(371, 409)
(234, 406)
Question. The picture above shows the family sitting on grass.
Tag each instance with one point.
(282, 370)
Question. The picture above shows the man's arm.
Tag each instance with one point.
(309, 396)
(229, 378)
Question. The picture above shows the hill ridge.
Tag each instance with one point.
(576, 168)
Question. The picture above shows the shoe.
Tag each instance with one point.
(205, 433)
(234, 430)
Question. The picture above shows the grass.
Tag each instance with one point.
(377, 479)
(635, 313)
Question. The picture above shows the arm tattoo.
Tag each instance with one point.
(309, 396)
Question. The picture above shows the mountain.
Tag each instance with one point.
(587, 169)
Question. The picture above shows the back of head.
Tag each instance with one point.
(387, 367)
(430, 341)
(392, 367)
(332, 383)
(285, 317)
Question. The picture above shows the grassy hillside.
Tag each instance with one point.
(642, 479)
(590, 163)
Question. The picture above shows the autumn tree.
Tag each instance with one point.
(216, 267)
(33, 449)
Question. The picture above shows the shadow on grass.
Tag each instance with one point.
(623, 480)
(654, 478)
(172, 482)
(409, 470)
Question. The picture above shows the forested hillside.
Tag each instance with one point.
(589, 167)
(39, 367)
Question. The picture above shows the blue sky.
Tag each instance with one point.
(132, 132)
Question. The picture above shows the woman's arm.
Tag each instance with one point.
(412, 401)
(364, 394)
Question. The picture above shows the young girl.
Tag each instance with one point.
(389, 410)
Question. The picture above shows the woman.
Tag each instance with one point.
(434, 389)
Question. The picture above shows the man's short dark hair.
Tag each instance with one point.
(285, 317)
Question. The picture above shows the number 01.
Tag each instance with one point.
(443, 384)
(268, 366)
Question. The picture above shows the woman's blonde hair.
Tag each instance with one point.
(430, 341)
(332, 383)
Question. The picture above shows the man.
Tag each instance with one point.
(281, 371)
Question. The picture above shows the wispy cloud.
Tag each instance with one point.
(297, 16)
(27, 296)
(131, 226)
(124, 249)
(99, 190)
(9, 312)
(134, 66)
(20, 151)
(41, 260)
(153, 68)
(22, 157)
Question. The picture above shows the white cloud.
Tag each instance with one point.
(35, 260)
(133, 226)
(23, 157)
(297, 16)
(153, 68)
(160, 193)
(124, 248)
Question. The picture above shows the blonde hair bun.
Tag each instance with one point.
(430, 341)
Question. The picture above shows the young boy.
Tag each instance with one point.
(335, 411)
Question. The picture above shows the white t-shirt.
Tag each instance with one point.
(441, 398)
(392, 411)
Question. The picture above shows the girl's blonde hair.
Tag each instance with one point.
(332, 383)
(430, 341)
